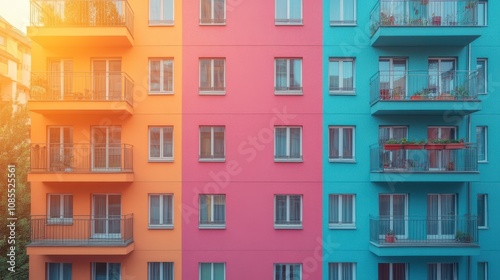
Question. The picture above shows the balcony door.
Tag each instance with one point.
(106, 148)
(442, 160)
(392, 159)
(442, 12)
(393, 73)
(441, 216)
(106, 215)
(60, 78)
(60, 148)
(106, 79)
(442, 75)
(393, 212)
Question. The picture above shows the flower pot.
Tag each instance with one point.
(454, 146)
(393, 147)
(417, 97)
(424, 2)
(389, 238)
(436, 20)
(445, 96)
(384, 94)
(413, 146)
(431, 146)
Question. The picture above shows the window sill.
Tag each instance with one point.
(342, 160)
(349, 93)
(211, 160)
(288, 160)
(160, 23)
(294, 227)
(160, 160)
(288, 92)
(287, 22)
(338, 24)
(483, 228)
(154, 227)
(483, 162)
(334, 226)
(161, 93)
(60, 222)
(212, 93)
(212, 226)
(213, 23)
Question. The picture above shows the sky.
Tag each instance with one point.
(16, 12)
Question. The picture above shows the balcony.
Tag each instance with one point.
(426, 22)
(102, 93)
(81, 235)
(424, 165)
(81, 163)
(450, 93)
(81, 23)
(424, 236)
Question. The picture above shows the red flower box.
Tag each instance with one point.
(431, 146)
(454, 146)
(393, 147)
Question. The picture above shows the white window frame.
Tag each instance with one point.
(485, 63)
(288, 224)
(484, 267)
(288, 158)
(162, 21)
(162, 270)
(288, 20)
(391, 269)
(341, 143)
(212, 19)
(438, 269)
(211, 223)
(161, 158)
(485, 128)
(212, 90)
(164, 223)
(288, 90)
(484, 197)
(162, 77)
(341, 90)
(288, 268)
(212, 157)
(61, 219)
(341, 267)
(341, 224)
(107, 270)
(60, 268)
(341, 21)
(212, 269)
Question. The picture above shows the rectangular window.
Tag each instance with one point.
(161, 211)
(212, 211)
(288, 76)
(212, 143)
(341, 146)
(60, 208)
(482, 13)
(106, 271)
(160, 271)
(342, 211)
(482, 210)
(161, 143)
(341, 75)
(287, 143)
(59, 271)
(393, 213)
(288, 271)
(288, 12)
(288, 211)
(212, 76)
(2, 40)
(212, 271)
(482, 143)
(482, 75)
(161, 12)
(212, 12)
(342, 12)
(161, 75)
(482, 271)
(442, 271)
(392, 271)
(342, 271)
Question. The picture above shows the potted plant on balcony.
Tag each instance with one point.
(455, 144)
(471, 4)
(461, 93)
(436, 144)
(463, 237)
(389, 237)
(394, 144)
(424, 2)
(397, 93)
(414, 145)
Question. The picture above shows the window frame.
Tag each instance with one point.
(162, 224)
(213, 90)
(289, 224)
(484, 198)
(485, 128)
(61, 220)
(212, 157)
(288, 157)
(161, 21)
(485, 82)
(482, 266)
(162, 77)
(211, 223)
(341, 143)
(340, 268)
(341, 21)
(288, 21)
(162, 272)
(288, 268)
(341, 224)
(212, 19)
(211, 269)
(61, 266)
(439, 269)
(161, 158)
(341, 61)
(288, 90)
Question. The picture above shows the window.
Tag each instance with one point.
(482, 75)
(482, 143)
(288, 12)
(60, 150)
(393, 213)
(287, 271)
(342, 211)
(288, 211)
(161, 75)
(212, 12)
(288, 76)
(442, 271)
(341, 75)
(107, 221)
(342, 271)
(161, 143)
(212, 146)
(212, 76)
(482, 13)
(106, 152)
(2, 40)
(392, 271)
(482, 210)
(59, 271)
(439, 81)
(341, 143)
(161, 211)
(160, 271)
(288, 143)
(392, 77)
(212, 211)
(342, 12)
(482, 271)
(441, 216)
(212, 271)
(60, 208)
(161, 12)
(106, 271)
(392, 159)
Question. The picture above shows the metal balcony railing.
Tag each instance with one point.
(448, 230)
(423, 13)
(82, 13)
(424, 160)
(81, 86)
(81, 158)
(82, 230)
(423, 85)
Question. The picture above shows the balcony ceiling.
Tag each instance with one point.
(411, 36)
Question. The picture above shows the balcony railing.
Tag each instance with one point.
(82, 13)
(82, 230)
(81, 158)
(424, 231)
(424, 13)
(424, 160)
(77, 86)
(423, 85)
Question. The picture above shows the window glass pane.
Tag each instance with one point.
(206, 11)
(154, 211)
(347, 206)
(219, 271)
(281, 74)
(55, 206)
(167, 142)
(168, 9)
(335, 10)
(295, 142)
(481, 143)
(167, 209)
(219, 209)
(206, 271)
(280, 209)
(481, 75)
(154, 78)
(205, 204)
(218, 74)
(205, 142)
(68, 206)
(205, 72)
(280, 142)
(295, 74)
(295, 209)
(334, 75)
(219, 142)
(349, 12)
(481, 210)
(482, 271)
(281, 9)
(347, 142)
(219, 7)
(154, 142)
(168, 75)
(334, 208)
(295, 9)
(347, 83)
(334, 143)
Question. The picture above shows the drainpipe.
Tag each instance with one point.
(468, 138)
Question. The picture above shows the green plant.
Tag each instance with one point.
(461, 236)
(439, 141)
(461, 140)
(471, 4)
(395, 141)
(461, 91)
